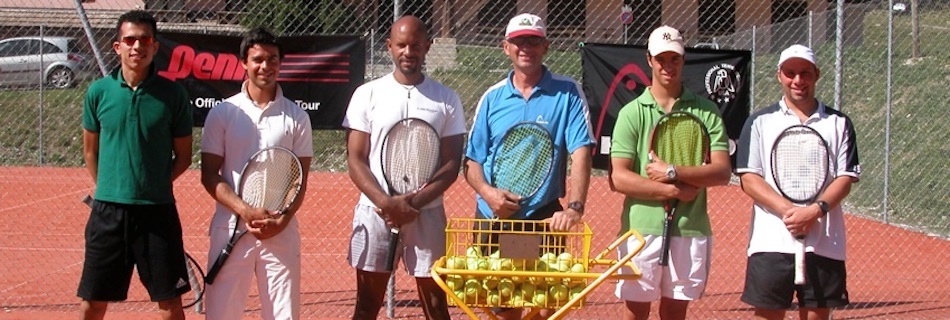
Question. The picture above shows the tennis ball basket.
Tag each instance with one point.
(524, 264)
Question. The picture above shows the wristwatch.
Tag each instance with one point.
(576, 206)
(824, 207)
(671, 172)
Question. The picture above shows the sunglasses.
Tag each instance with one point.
(528, 41)
(130, 41)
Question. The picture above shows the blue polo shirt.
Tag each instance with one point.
(556, 103)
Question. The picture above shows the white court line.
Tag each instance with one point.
(936, 27)
(71, 194)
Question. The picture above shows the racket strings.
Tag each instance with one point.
(681, 141)
(800, 165)
(270, 180)
(410, 155)
(525, 158)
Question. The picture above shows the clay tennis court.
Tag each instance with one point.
(42, 246)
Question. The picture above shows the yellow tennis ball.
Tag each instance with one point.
(527, 290)
(578, 268)
(505, 287)
(565, 256)
(558, 292)
(540, 298)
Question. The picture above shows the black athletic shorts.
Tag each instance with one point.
(770, 282)
(120, 236)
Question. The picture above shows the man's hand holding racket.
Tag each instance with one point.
(656, 171)
(503, 203)
(398, 210)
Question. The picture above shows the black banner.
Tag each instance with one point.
(614, 75)
(319, 73)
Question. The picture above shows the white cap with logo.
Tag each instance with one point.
(665, 39)
(797, 51)
(525, 24)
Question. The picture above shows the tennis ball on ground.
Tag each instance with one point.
(558, 292)
(505, 287)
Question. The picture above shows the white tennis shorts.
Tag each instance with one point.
(421, 241)
(684, 278)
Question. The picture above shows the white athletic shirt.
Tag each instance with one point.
(769, 234)
(237, 128)
(378, 104)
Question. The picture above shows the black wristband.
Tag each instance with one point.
(824, 207)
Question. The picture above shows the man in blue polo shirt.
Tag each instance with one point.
(531, 93)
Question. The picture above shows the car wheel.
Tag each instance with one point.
(61, 78)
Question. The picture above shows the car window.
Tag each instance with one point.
(47, 48)
(15, 48)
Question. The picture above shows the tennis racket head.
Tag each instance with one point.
(410, 155)
(271, 179)
(524, 160)
(681, 139)
(800, 164)
(197, 280)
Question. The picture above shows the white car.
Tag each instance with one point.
(54, 60)
(899, 8)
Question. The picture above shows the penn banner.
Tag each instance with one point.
(614, 75)
(319, 73)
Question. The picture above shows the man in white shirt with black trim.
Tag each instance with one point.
(777, 222)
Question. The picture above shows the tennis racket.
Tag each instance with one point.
(680, 139)
(271, 179)
(524, 160)
(197, 280)
(410, 158)
(800, 167)
(196, 275)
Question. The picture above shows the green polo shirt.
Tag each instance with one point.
(136, 132)
(631, 140)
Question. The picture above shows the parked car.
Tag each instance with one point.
(24, 60)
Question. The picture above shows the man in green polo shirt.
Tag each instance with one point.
(647, 183)
(138, 126)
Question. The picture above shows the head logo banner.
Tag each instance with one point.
(319, 73)
(614, 75)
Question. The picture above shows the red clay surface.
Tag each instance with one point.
(893, 273)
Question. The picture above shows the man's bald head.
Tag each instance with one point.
(409, 24)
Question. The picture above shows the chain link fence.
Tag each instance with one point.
(885, 64)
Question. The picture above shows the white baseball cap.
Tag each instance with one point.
(665, 39)
(797, 51)
(525, 24)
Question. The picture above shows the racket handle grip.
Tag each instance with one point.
(667, 236)
(393, 245)
(800, 260)
(216, 267)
